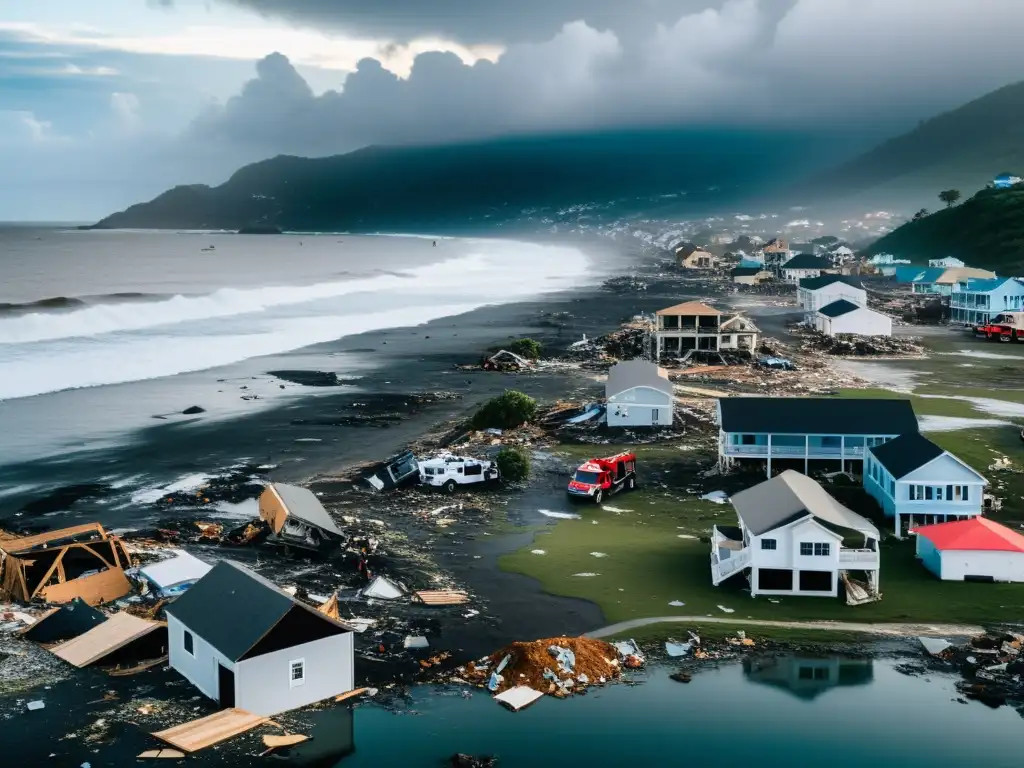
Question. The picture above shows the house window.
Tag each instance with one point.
(767, 543)
(892, 488)
(748, 439)
(189, 643)
(297, 672)
(814, 549)
(806, 548)
(821, 549)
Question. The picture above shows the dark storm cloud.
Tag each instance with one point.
(476, 21)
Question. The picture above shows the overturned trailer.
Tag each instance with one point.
(57, 566)
(298, 519)
(397, 470)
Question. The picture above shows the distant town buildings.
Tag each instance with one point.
(946, 261)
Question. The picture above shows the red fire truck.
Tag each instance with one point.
(596, 479)
(1009, 326)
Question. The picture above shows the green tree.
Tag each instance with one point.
(507, 410)
(921, 214)
(513, 463)
(949, 196)
(528, 348)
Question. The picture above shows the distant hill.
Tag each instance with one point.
(434, 188)
(985, 231)
(961, 149)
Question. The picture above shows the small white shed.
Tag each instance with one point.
(246, 643)
(976, 549)
(844, 316)
(639, 394)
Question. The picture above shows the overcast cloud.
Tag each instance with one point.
(132, 97)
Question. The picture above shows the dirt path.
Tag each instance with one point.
(901, 629)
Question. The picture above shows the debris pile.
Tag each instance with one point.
(558, 666)
(852, 345)
(991, 664)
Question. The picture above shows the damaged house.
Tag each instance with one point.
(57, 566)
(793, 538)
(246, 643)
(639, 395)
(298, 519)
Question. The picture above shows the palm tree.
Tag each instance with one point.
(949, 196)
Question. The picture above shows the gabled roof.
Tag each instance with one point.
(906, 453)
(789, 497)
(952, 275)
(807, 261)
(636, 373)
(747, 271)
(689, 308)
(976, 533)
(817, 416)
(814, 283)
(233, 608)
(983, 285)
(838, 308)
(303, 504)
(743, 322)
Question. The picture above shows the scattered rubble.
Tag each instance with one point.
(991, 665)
(852, 345)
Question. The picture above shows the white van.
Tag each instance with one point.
(447, 472)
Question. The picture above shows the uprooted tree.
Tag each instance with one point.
(528, 348)
(509, 409)
(513, 463)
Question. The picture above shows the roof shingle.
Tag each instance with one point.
(906, 453)
(838, 308)
(817, 416)
(689, 308)
(807, 261)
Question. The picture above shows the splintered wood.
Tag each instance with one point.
(201, 733)
(441, 597)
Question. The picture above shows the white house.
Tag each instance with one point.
(244, 642)
(813, 293)
(805, 265)
(946, 262)
(841, 255)
(775, 252)
(844, 316)
(639, 395)
(911, 477)
(739, 333)
(975, 549)
(791, 538)
(977, 301)
(807, 429)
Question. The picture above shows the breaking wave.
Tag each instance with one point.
(113, 343)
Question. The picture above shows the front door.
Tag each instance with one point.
(225, 686)
(654, 416)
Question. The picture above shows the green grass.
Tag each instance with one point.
(923, 406)
(648, 566)
(1009, 395)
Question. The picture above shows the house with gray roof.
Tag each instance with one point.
(639, 394)
(794, 538)
(246, 643)
(298, 519)
(806, 429)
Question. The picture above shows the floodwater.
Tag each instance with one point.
(794, 710)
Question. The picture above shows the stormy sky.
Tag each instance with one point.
(105, 104)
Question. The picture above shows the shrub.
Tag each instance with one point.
(528, 348)
(513, 463)
(507, 410)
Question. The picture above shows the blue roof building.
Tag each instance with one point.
(975, 301)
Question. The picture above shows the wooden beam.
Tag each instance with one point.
(49, 572)
(88, 548)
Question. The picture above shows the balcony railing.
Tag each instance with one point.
(865, 558)
(813, 451)
(713, 330)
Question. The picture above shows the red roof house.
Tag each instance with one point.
(976, 549)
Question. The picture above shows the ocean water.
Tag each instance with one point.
(88, 309)
(798, 711)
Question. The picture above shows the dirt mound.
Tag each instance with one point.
(532, 664)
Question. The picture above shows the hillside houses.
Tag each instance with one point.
(804, 265)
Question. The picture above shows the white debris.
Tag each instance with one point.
(599, 554)
(716, 497)
(538, 551)
(677, 603)
(726, 610)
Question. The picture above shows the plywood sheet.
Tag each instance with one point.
(442, 597)
(212, 729)
(116, 632)
(102, 587)
(519, 697)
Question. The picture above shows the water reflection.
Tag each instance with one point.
(332, 735)
(807, 677)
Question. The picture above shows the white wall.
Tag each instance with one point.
(864, 322)
(263, 685)
(1003, 566)
(786, 554)
(634, 408)
(201, 669)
